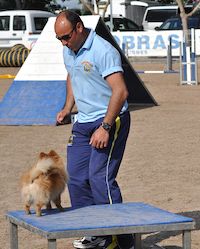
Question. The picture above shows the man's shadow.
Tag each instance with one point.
(155, 238)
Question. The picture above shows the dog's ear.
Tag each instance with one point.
(52, 153)
(42, 155)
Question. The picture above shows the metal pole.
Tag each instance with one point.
(181, 72)
(111, 16)
(186, 239)
(193, 58)
(95, 7)
(169, 55)
(137, 241)
(52, 244)
(13, 236)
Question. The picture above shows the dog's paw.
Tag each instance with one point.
(61, 209)
(27, 209)
(28, 212)
(38, 214)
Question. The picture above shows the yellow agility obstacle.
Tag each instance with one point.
(7, 76)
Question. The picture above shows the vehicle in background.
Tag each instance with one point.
(19, 25)
(118, 8)
(135, 10)
(121, 23)
(175, 23)
(156, 15)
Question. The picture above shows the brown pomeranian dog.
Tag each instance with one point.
(44, 183)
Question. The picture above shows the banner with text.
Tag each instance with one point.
(152, 43)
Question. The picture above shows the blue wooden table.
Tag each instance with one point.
(134, 218)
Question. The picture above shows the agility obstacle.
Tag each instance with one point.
(38, 91)
(158, 72)
(188, 62)
(13, 57)
(7, 76)
(97, 220)
(169, 61)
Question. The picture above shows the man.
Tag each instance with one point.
(95, 149)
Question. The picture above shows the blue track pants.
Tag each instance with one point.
(92, 172)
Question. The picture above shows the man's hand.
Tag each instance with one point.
(61, 115)
(100, 138)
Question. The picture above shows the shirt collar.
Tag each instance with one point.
(89, 40)
(87, 44)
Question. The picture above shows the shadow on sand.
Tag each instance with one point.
(150, 241)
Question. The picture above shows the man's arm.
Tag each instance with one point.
(69, 104)
(118, 97)
(117, 84)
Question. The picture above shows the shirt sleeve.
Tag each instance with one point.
(110, 62)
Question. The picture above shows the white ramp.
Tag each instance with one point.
(45, 62)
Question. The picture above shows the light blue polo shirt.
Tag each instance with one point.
(96, 59)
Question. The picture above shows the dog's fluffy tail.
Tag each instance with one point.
(44, 164)
(42, 167)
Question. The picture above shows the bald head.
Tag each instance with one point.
(70, 30)
(67, 19)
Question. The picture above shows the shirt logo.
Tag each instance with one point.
(87, 66)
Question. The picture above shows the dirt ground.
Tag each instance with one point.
(160, 166)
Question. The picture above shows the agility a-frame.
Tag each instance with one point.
(38, 91)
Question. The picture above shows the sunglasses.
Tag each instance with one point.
(66, 37)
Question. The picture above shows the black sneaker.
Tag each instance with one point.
(89, 242)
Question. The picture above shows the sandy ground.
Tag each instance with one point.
(160, 166)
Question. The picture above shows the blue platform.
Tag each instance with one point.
(135, 218)
(32, 103)
(101, 216)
